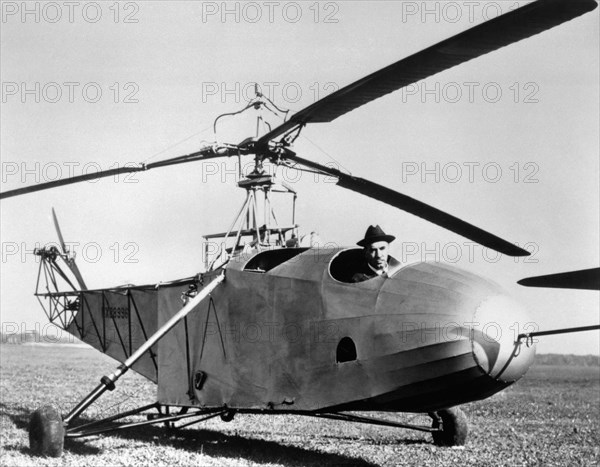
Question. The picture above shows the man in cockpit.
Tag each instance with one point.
(376, 260)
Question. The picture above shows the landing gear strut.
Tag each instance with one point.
(48, 429)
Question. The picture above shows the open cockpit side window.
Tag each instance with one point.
(267, 260)
(345, 264)
(348, 262)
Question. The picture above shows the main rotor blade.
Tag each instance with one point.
(205, 153)
(418, 208)
(586, 279)
(499, 32)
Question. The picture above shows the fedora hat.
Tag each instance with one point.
(375, 234)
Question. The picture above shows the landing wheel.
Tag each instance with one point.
(46, 432)
(454, 427)
(228, 416)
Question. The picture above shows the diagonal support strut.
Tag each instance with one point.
(108, 382)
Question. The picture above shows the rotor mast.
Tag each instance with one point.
(255, 227)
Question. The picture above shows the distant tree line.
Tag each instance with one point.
(570, 359)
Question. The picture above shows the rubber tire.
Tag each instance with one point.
(455, 428)
(46, 432)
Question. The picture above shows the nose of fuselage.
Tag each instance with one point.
(497, 322)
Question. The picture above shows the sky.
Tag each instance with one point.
(508, 141)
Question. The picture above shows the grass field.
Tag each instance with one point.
(550, 417)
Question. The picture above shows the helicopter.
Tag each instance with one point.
(337, 347)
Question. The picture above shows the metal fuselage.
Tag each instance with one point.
(287, 331)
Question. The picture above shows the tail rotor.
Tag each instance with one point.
(69, 257)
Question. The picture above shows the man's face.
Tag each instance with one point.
(377, 254)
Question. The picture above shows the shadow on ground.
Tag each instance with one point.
(207, 442)
(217, 444)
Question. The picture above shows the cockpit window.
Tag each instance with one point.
(346, 264)
(267, 260)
